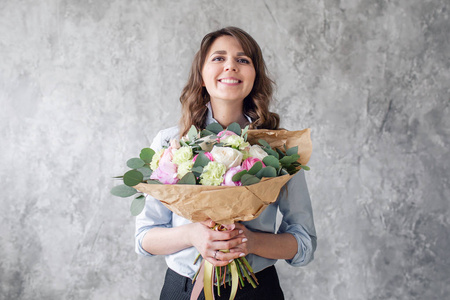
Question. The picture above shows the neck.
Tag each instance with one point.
(226, 113)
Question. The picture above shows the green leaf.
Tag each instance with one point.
(147, 155)
(306, 168)
(132, 177)
(206, 132)
(183, 143)
(271, 161)
(135, 163)
(271, 152)
(280, 153)
(248, 179)
(137, 205)
(234, 127)
(197, 171)
(264, 143)
(201, 160)
(189, 178)
(244, 132)
(123, 191)
(255, 168)
(267, 172)
(192, 133)
(291, 151)
(146, 171)
(288, 160)
(238, 175)
(214, 128)
(153, 181)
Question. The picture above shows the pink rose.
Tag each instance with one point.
(249, 162)
(224, 134)
(166, 173)
(227, 178)
(208, 155)
(167, 170)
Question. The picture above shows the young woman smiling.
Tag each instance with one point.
(228, 83)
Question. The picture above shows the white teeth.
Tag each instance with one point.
(229, 81)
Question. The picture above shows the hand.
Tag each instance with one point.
(211, 243)
(248, 241)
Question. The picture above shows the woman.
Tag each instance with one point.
(228, 83)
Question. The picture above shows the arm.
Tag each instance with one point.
(296, 237)
(162, 241)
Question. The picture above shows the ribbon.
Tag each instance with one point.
(205, 281)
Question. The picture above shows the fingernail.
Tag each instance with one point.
(242, 254)
(231, 260)
(241, 231)
(244, 240)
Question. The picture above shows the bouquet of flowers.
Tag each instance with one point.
(225, 175)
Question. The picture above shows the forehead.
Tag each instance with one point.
(225, 43)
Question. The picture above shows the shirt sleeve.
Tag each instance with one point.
(295, 207)
(155, 214)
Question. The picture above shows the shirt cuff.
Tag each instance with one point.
(306, 245)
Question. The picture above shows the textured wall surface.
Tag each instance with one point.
(84, 85)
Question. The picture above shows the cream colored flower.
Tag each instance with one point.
(228, 156)
(184, 168)
(182, 155)
(213, 173)
(235, 141)
(257, 152)
(155, 160)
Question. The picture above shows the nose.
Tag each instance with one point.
(231, 66)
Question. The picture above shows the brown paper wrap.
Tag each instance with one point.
(226, 204)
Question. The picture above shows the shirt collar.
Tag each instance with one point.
(210, 119)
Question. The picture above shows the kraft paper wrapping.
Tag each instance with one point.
(225, 204)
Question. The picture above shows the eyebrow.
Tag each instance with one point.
(225, 52)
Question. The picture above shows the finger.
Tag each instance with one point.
(209, 223)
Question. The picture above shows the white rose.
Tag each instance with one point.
(228, 156)
(257, 152)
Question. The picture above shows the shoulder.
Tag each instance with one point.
(163, 137)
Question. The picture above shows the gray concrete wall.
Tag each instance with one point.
(84, 85)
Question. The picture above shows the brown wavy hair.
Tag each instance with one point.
(194, 96)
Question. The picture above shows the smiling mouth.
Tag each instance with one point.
(227, 80)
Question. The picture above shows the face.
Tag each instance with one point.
(228, 74)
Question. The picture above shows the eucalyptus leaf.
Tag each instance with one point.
(280, 153)
(238, 175)
(192, 133)
(291, 151)
(147, 155)
(271, 161)
(214, 128)
(264, 143)
(201, 160)
(137, 205)
(132, 177)
(206, 132)
(153, 181)
(123, 191)
(235, 127)
(267, 172)
(135, 163)
(183, 143)
(197, 171)
(244, 132)
(189, 178)
(248, 179)
(255, 168)
(271, 152)
(306, 168)
(146, 171)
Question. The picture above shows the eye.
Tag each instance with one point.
(243, 61)
(218, 58)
